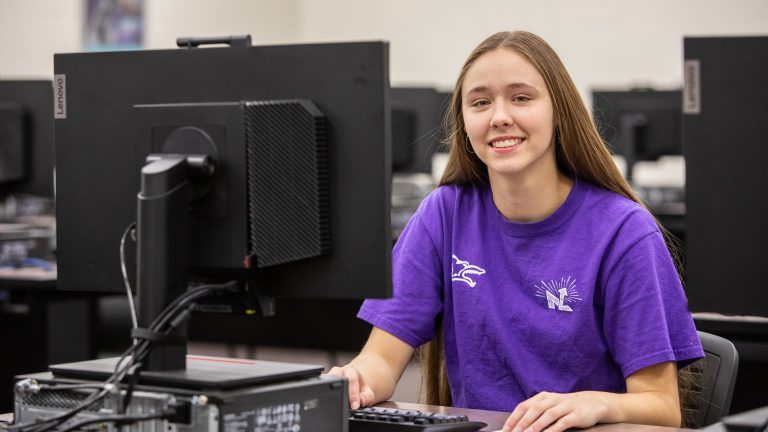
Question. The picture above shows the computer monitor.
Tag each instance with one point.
(724, 129)
(242, 107)
(639, 124)
(26, 138)
(417, 127)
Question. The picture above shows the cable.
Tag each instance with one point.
(165, 323)
(127, 282)
(121, 420)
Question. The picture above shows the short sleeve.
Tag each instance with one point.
(646, 318)
(417, 301)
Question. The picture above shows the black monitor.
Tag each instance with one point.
(26, 138)
(639, 124)
(285, 150)
(417, 127)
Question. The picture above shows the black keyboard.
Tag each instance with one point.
(378, 419)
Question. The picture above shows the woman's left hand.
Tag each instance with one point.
(555, 412)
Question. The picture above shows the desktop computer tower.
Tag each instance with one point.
(725, 144)
(309, 404)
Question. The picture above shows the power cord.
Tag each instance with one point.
(122, 420)
(132, 359)
(126, 281)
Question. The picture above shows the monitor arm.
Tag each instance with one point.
(163, 244)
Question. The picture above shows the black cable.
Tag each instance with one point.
(129, 391)
(42, 425)
(191, 295)
(121, 420)
(180, 306)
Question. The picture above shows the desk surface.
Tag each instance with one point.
(28, 278)
(495, 420)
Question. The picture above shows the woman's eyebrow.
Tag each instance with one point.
(519, 85)
(510, 86)
(478, 89)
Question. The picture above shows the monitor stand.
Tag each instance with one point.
(202, 372)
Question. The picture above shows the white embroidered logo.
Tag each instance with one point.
(464, 272)
(558, 293)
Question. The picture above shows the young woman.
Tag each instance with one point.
(548, 284)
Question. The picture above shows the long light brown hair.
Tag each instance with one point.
(579, 150)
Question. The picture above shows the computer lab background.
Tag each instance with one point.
(606, 45)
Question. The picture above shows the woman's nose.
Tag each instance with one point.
(502, 118)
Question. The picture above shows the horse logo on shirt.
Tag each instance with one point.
(465, 271)
(559, 293)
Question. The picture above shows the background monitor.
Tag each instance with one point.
(107, 133)
(724, 130)
(724, 136)
(26, 138)
(417, 128)
(639, 125)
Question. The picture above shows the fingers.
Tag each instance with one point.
(564, 423)
(366, 396)
(550, 412)
(527, 412)
(359, 393)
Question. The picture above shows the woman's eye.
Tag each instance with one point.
(521, 98)
(480, 103)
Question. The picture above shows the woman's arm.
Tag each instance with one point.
(651, 398)
(374, 373)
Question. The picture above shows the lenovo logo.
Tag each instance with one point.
(60, 96)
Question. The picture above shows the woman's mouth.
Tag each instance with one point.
(507, 143)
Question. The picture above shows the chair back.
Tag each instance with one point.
(712, 396)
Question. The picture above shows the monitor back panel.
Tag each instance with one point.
(725, 132)
(97, 180)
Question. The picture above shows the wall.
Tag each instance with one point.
(603, 42)
(268, 22)
(31, 31)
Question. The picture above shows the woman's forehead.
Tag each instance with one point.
(502, 66)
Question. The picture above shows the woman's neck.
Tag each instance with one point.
(531, 198)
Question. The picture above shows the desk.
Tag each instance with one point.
(33, 278)
(495, 420)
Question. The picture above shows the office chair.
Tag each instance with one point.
(714, 377)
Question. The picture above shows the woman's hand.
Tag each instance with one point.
(378, 366)
(651, 398)
(555, 412)
(360, 394)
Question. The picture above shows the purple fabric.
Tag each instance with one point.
(578, 301)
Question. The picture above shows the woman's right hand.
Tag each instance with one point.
(373, 374)
(360, 394)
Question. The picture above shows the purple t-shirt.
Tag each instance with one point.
(577, 301)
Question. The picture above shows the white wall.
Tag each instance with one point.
(603, 42)
(267, 21)
(31, 31)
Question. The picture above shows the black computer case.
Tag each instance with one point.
(725, 143)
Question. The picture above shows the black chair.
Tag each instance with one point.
(715, 376)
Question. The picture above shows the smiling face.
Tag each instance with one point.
(508, 116)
